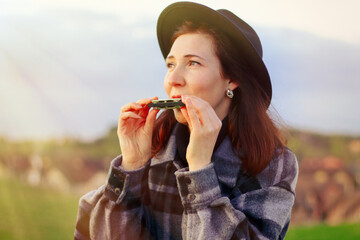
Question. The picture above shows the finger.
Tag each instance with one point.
(207, 115)
(131, 107)
(150, 120)
(193, 116)
(186, 116)
(128, 119)
(184, 112)
(204, 110)
(144, 111)
(127, 115)
(198, 106)
(146, 101)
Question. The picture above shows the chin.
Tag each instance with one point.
(179, 116)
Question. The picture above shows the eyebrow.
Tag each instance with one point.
(186, 56)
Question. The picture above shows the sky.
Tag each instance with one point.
(67, 67)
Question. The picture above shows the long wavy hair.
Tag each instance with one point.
(255, 137)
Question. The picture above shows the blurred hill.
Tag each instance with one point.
(329, 178)
(327, 190)
(315, 145)
(65, 164)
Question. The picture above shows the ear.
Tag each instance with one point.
(232, 85)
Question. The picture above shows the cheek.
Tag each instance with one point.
(207, 89)
(213, 92)
(199, 86)
(166, 87)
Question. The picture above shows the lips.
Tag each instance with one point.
(176, 96)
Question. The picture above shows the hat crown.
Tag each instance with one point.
(245, 28)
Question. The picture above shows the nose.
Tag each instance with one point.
(175, 77)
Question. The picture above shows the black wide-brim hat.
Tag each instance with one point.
(240, 33)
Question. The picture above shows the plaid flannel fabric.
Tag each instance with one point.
(163, 200)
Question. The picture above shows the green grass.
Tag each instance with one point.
(35, 213)
(323, 231)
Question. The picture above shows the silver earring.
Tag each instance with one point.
(229, 93)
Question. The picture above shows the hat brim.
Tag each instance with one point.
(175, 14)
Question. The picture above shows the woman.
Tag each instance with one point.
(214, 169)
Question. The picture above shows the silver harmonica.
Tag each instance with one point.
(167, 103)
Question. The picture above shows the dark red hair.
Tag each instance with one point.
(254, 135)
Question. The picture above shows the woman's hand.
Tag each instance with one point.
(204, 125)
(135, 129)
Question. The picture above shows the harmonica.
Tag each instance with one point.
(167, 103)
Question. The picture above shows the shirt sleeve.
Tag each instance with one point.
(259, 214)
(100, 216)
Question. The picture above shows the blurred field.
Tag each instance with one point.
(319, 232)
(41, 182)
(36, 213)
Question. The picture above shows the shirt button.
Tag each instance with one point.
(117, 191)
(191, 197)
(187, 180)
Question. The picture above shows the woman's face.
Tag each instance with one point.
(194, 69)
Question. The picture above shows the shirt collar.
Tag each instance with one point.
(182, 136)
(226, 162)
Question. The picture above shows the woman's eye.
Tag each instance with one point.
(170, 65)
(194, 63)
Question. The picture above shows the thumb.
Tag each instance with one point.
(150, 120)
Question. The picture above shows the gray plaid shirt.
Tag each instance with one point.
(163, 200)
